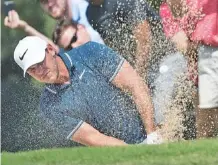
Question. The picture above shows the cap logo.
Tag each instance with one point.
(21, 57)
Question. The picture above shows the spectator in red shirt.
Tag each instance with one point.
(193, 25)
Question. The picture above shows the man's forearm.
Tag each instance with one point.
(140, 91)
(89, 136)
(142, 58)
(106, 141)
(142, 35)
(98, 139)
(144, 104)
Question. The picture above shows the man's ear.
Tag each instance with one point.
(51, 49)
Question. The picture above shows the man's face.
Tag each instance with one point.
(55, 8)
(68, 33)
(47, 70)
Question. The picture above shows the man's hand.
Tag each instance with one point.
(89, 136)
(154, 138)
(13, 20)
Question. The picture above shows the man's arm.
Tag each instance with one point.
(71, 127)
(128, 79)
(189, 49)
(120, 73)
(89, 136)
(142, 34)
(13, 21)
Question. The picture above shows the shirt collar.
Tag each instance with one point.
(56, 88)
(67, 60)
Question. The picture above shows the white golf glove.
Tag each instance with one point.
(154, 138)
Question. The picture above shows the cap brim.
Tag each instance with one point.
(24, 73)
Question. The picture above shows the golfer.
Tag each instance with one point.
(92, 95)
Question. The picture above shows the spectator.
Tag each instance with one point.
(192, 25)
(85, 96)
(78, 9)
(126, 21)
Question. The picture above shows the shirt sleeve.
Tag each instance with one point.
(170, 26)
(64, 123)
(106, 61)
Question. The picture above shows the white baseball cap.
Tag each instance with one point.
(29, 51)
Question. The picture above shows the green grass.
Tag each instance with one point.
(202, 152)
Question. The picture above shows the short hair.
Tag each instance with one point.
(60, 27)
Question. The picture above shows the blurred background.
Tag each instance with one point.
(21, 126)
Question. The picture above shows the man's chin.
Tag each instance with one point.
(57, 15)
